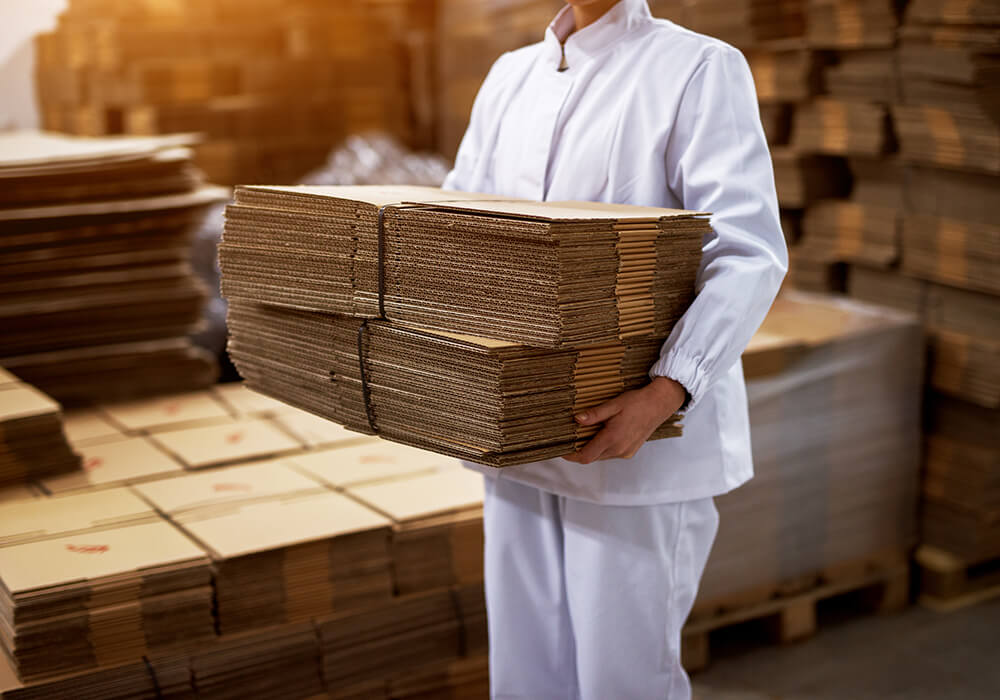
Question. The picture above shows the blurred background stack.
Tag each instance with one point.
(884, 122)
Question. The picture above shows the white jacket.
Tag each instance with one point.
(647, 113)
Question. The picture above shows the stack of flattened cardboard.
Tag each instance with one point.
(547, 274)
(98, 294)
(841, 128)
(415, 631)
(494, 402)
(272, 87)
(747, 22)
(32, 441)
(834, 389)
(784, 71)
(437, 522)
(152, 679)
(292, 558)
(867, 75)
(98, 598)
(961, 512)
(950, 116)
(459, 680)
(851, 24)
(950, 230)
(850, 231)
(273, 663)
(801, 180)
(226, 443)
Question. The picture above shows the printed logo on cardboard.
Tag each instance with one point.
(235, 438)
(92, 463)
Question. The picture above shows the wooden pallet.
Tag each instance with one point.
(949, 583)
(791, 617)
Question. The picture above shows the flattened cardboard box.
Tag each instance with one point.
(46, 518)
(32, 442)
(89, 427)
(168, 412)
(220, 487)
(315, 431)
(438, 538)
(128, 460)
(374, 461)
(236, 441)
(243, 401)
(293, 558)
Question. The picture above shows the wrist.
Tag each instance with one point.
(670, 393)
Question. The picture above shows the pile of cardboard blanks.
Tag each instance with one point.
(950, 116)
(548, 274)
(437, 527)
(834, 389)
(802, 180)
(32, 441)
(115, 462)
(490, 401)
(292, 558)
(851, 24)
(161, 677)
(272, 663)
(97, 289)
(271, 86)
(102, 597)
(841, 128)
(413, 631)
(961, 488)
(747, 22)
(784, 71)
(466, 680)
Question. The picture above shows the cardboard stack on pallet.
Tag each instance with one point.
(97, 284)
(32, 440)
(272, 85)
(948, 125)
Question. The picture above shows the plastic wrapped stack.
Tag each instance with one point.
(273, 85)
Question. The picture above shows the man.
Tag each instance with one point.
(593, 560)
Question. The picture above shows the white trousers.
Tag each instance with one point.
(587, 601)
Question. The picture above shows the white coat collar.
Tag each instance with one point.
(593, 39)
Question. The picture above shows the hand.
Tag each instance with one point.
(629, 419)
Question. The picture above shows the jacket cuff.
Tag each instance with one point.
(685, 370)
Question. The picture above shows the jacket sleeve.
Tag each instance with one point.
(462, 176)
(717, 161)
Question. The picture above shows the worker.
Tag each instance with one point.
(592, 561)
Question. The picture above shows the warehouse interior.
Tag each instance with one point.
(232, 412)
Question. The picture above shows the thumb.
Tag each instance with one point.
(599, 414)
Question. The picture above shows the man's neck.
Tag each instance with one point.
(591, 12)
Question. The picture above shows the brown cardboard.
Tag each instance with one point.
(128, 460)
(423, 495)
(47, 518)
(225, 443)
(374, 461)
(19, 493)
(315, 431)
(260, 480)
(25, 401)
(168, 412)
(243, 401)
(88, 427)
(7, 380)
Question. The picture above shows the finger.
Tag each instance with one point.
(600, 413)
(600, 444)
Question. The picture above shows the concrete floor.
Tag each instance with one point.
(915, 655)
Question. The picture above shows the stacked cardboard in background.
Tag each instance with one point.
(97, 286)
(32, 440)
(948, 123)
(344, 556)
(273, 85)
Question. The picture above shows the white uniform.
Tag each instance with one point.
(645, 113)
